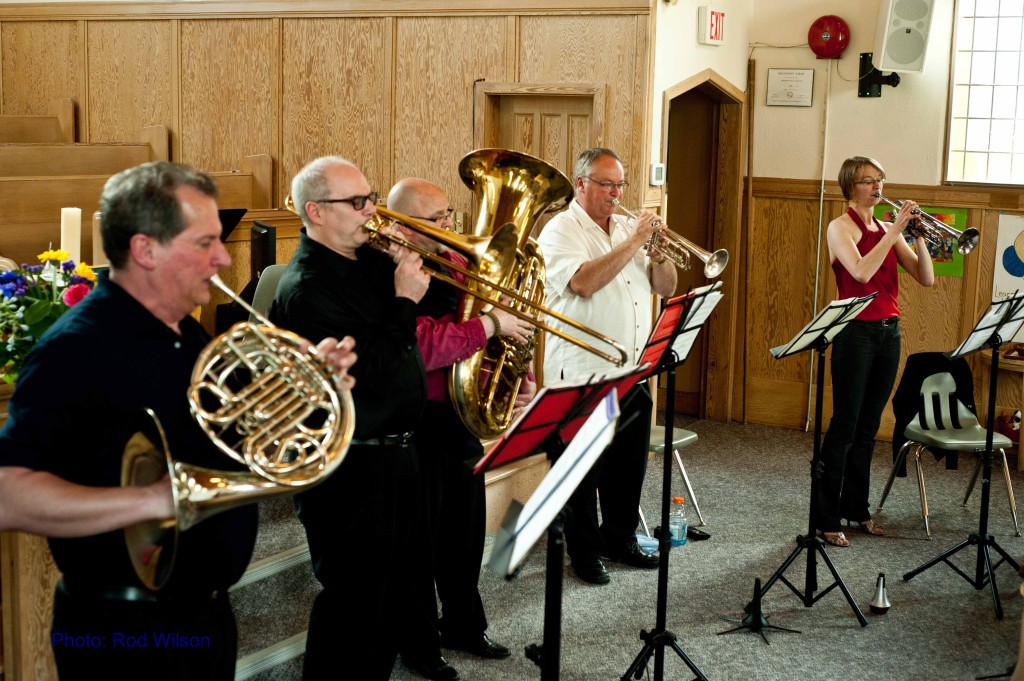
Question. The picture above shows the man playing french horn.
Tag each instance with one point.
(61, 448)
(447, 450)
(598, 273)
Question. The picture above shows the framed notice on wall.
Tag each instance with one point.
(790, 87)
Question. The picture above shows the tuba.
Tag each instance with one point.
(263, 400)
(512, 189)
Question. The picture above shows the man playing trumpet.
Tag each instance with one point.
(599, 274)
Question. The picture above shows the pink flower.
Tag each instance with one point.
(73, 294)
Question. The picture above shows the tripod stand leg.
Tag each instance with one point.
(842, 586)
(992, 581)
(936, 560)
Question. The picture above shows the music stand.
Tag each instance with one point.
(1000, 322)
(557, 410)
(677, 327)
(817, 335)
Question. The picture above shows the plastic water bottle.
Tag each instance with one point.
(677, 522)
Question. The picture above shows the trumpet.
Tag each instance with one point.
(677, 248)
(935, 230)
(493, 256)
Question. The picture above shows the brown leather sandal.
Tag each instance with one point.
(835, 539)
(868, 527)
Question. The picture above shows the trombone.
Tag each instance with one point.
(493, 256)
(677, 248)
(935, 230)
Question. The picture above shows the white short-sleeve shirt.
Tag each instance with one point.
(620, 310)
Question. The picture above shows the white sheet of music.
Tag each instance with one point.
(695, 318)
(833, 313)
(986, 326)
(553, 492)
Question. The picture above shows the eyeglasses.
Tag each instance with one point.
(357, 202)
(868, 181)
(608, 186)
(440, 216)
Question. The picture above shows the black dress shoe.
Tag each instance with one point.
(633, 555)
(591, 571)
(696, 535)
(481, 646)
(437, 669)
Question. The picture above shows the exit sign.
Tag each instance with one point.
(711, 21)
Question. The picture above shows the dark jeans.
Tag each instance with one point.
(618, 476)
(865, 357)
(360, 524)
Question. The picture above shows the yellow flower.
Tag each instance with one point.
(85, 272)
(58, 255)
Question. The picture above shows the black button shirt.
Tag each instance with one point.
(323, 294)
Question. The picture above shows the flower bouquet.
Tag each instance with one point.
(32, 298)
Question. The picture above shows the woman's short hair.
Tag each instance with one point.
(850, 168)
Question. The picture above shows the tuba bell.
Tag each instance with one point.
(512, 188)
(264, 401)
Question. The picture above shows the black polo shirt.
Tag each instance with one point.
(80, 387)
(324, 294)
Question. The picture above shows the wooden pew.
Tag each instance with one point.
(30, 206)
(53, 158)
(56, 126)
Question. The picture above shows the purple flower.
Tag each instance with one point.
(67, 265)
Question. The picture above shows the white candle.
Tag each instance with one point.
(71, 232)
(99, 257)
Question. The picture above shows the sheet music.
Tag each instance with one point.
(1005, 316)
(708, 297)
(832, 319)
(553, 492)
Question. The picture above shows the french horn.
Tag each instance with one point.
(264, 399)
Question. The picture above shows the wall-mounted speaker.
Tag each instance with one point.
(901, 38)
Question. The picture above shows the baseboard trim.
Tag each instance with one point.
(272, 565)
(270, 657)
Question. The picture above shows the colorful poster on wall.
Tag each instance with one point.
(947, 261)
(1008, 268)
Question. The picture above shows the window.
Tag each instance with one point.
(986, 123)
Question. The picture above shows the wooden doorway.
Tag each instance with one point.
(703, 119)
(552, 122)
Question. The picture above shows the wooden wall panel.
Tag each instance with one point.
(438, 59)
(41, 61)
(337, 95)
(549, 53)
(132, 68)
(228, 91)
(781, 285)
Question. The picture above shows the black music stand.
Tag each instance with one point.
(1000, 323)
(817, 335)
(680, 321)
(584, 415)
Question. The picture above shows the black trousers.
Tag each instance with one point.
(360, 523)
(453, 534)
(865, 357)
(618, 476)
(117, 640)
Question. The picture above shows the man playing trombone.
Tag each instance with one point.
(599, 274)
(337, 284)
(447, 450)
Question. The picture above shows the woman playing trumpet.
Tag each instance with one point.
(864, 253)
